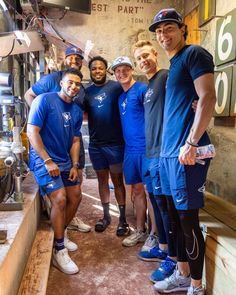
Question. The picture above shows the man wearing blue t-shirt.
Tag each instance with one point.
(191, 75)
(132, 120)
(106, 146)
(54, 159)
(51, 83)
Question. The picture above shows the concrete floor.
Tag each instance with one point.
(106, 267)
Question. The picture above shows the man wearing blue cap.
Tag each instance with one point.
(132, 121)
(51, 83)
(191, 75)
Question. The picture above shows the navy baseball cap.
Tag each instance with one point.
(74, 50)
(165, 15)
(121, 60)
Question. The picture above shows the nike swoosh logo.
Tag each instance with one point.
(100, 106)
(179, 200)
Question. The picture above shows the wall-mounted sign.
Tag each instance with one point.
(225, 48)
(223, 84)
(207, 10)
(233, 94)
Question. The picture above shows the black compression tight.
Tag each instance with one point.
(158, 220)
(189, 238)
(163, 208)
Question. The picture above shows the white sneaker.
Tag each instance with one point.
(175, 283)
(62, 261)
(78, 224)
(137, 236)
(151, 241)
(70, 246)
(196, 291)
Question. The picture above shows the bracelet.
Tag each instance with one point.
(48, 159)
(191, 144)
(75, 164)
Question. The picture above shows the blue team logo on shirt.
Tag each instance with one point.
(123, 105)
(100, 99)
(147, 97)
(67, 117)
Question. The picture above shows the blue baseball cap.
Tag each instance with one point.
(121, 60)
(74, 50)
(165, 15)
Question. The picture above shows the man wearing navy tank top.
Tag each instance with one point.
(191, 75)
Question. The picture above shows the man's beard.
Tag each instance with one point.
(77, 67)
(98, 82)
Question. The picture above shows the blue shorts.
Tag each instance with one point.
(152, 176)
(186, 183)
(48, 184)
(132, 167)
(107, 156)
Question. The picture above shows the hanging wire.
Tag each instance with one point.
(9, 53)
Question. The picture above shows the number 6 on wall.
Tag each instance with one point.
(225, 39)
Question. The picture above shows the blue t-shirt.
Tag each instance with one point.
(59, 122)
(187, 65)
(101, 104)
(132, 117)
(154, 107)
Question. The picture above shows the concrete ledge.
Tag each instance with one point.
(21, 227)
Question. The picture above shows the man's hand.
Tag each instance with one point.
(187, 155)
(52, 168)
(74, 174)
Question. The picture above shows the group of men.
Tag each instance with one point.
(148, 132)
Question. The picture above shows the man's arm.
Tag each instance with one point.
(37, 144)
(29, 96)
(74, 154)
(205, 89)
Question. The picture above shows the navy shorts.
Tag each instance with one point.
(107, 156)
(186, 183)
(133, 168)
(48, 184)
(152, 176)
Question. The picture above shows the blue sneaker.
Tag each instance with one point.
(165, 270)
(155, 254)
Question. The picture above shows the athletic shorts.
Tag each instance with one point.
(48, 184)
(107, 157)
(186, 183)
(152, 176)
(132, 168)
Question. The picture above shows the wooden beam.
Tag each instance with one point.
(35, 276)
